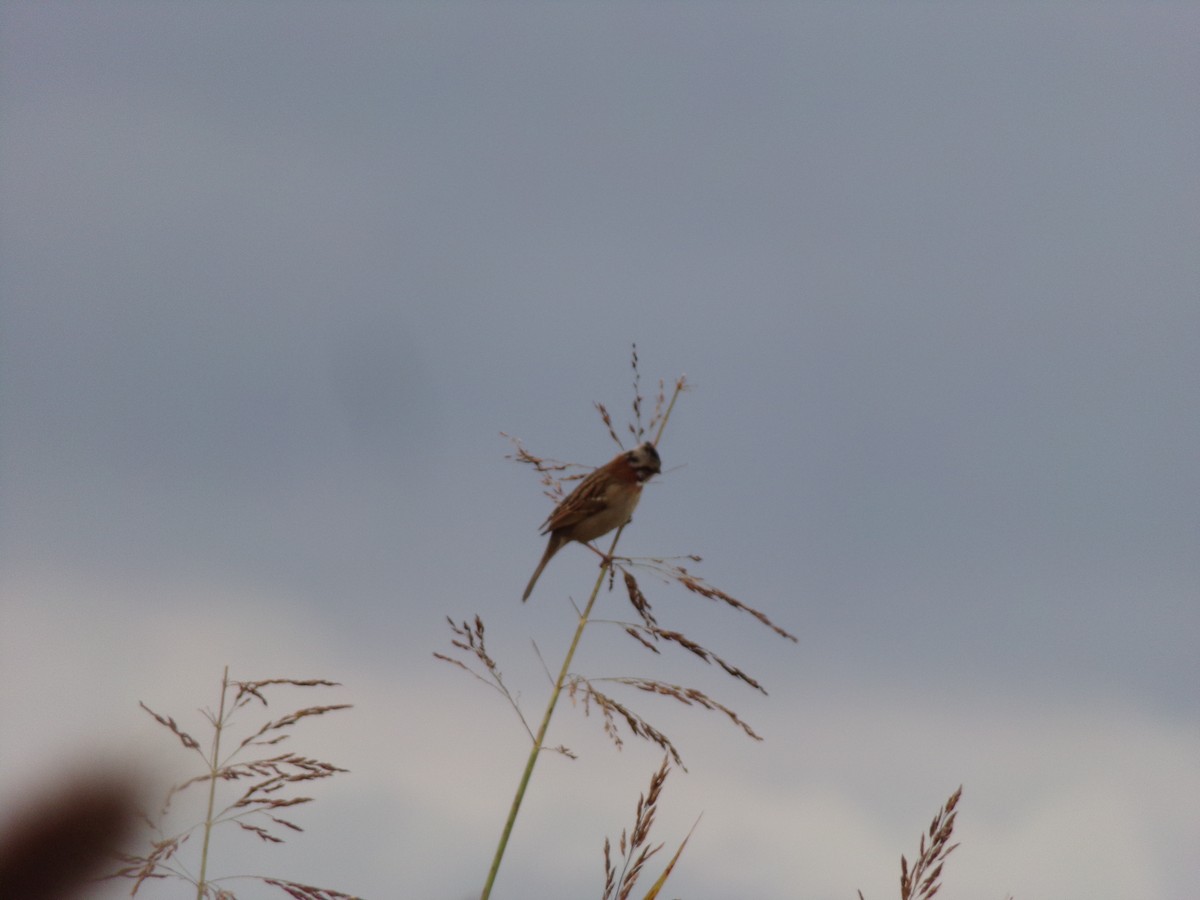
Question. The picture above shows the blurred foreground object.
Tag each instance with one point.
(64, 835)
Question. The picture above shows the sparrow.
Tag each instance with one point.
(604, 500)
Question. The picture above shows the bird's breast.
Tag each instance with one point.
(619, 503)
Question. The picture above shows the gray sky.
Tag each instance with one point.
(276, 276)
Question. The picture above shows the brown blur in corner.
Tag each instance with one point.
(64, 836)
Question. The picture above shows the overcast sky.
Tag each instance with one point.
(275, 277)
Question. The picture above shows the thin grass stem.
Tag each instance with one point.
(679, 385)
(214, 765)
(540, 740)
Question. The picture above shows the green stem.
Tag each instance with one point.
(662, 426)
(539, 740)
(214, 766)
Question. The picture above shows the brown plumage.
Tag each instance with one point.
(601, 502)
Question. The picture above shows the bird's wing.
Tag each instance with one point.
(585, 501)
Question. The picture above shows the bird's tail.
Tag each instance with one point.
(551, 548)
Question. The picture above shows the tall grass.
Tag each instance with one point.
(270, 780)
(923, 879)
(592, 692)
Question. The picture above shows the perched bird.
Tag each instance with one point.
(601, 502)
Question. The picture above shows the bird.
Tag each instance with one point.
(604, 500)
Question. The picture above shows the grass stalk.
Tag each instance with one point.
(214, 767)
(662, 425)
(540, 739)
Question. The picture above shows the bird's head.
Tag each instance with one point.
(644, 461)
